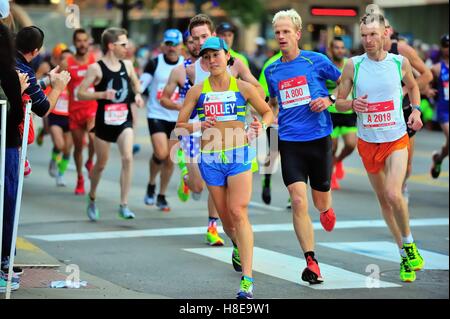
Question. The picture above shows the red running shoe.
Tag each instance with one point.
(340, 173)
(334, 183)
(311, 273)
(328, 219)
(79, 190)
(89, 165)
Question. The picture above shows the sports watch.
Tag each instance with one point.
(332, 98)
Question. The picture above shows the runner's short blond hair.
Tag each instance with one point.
(290, 14)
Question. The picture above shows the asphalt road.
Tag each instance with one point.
(169, 257)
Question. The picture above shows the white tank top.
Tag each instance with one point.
(381, 81)
(154, 109)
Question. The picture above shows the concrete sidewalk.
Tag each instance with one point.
(40, 269)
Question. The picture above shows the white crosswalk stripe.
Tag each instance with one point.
(389, 251)
(289, 268)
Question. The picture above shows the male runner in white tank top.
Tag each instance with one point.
(376, 78)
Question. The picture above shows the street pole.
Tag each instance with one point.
(170, 18)
(125, 8)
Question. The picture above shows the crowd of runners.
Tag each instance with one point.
(205, 108)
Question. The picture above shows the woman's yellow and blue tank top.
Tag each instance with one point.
(224, 106)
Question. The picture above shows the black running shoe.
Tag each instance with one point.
(266, 192)
(162, 204)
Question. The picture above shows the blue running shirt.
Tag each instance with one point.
(295, 84)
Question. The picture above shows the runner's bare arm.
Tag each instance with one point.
(135, 84)
(93, 75)
(425, 75)
(344, 88)
(171, 86)
(243, 72)
(414, 121)
(183, 126)
(273, 102)
(260, 105)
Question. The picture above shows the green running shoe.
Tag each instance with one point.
(245, 288)
(212, 237)
(183, 190)
(236, 260)
(415, 261)
(406, 273)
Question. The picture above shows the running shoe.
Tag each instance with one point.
(212, 237)
(150, 198)
(126, 213)
(183, 189)
(162, 204)
(89, 166)
(415, 260)
(339, 170)
(92, 210)
(311, 273)
(334, 182)
(15, 277)
(236, 260)
(79, 190)
(266, 192)
(245, 288)
(3, 283)
(328, 219)
(53, 168)
(436, 167)
(60, 182)
(406, 273)
(27, 170)
(196, 196)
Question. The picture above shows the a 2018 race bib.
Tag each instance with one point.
(294, 92)
(116, 114)
(221, 105)
(380, 116)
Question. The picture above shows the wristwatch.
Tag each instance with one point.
(416, 107)
(332, 98)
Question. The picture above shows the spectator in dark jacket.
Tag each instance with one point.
(29, 41)
(12, 85)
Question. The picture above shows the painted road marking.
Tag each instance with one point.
(162, 232)
(388, 251)
(288, 268)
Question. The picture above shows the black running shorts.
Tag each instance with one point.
(59, 120)
(160, 126)
(343, 120)
(311, 160)
(406, 113)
